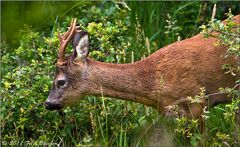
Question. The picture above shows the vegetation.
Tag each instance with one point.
(120, 33)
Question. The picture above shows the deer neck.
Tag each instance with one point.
(122, 81)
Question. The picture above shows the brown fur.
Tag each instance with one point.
(172, 73)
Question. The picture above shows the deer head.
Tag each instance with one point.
(66, 89)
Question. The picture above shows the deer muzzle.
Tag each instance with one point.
(53, 106)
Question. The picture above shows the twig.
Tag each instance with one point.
(214, 12)
(206, 97)
(228, 34)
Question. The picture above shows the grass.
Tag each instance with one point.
(109, 122)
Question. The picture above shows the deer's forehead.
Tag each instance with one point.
(60, 73)
(60, 76)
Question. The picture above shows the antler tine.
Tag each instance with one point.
(68, 32)
(64, 40)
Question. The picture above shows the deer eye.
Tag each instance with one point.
(60, 83)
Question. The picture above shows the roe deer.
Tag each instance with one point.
(168, 75)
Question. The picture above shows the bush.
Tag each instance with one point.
(118, 35)
(27, 77)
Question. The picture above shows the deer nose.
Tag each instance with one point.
(53, 106)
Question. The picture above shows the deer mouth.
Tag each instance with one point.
(53, 106)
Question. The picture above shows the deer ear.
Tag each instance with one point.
(81, 45)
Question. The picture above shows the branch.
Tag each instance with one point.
(228, 34)
(203, 97)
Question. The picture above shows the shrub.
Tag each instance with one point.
(27, 78)
(117, 35)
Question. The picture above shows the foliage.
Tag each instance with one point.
(172, 30)
(27, 76)
(120, 33)
(187, 130)
(228, 134)
(228, 34)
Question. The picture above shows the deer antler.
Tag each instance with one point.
(64, 40)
